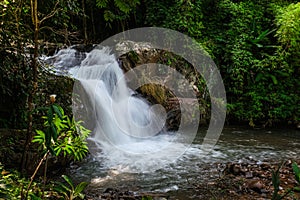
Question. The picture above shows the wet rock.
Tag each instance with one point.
(255, 185)
(115, 193)
(234, 169)
(260, 184)
(132, 54)
(249, 174)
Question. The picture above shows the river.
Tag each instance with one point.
(236, 144)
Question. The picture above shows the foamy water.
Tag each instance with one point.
(127, 132)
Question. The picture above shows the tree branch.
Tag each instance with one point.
(52, 13)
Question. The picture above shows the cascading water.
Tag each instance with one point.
(118, 118)
(125, 157)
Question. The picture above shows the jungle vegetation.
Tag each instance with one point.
(255, 44)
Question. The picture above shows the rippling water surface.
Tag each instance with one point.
(236, 144)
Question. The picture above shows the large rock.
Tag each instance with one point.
(143, 53)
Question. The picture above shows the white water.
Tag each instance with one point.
(127, 133)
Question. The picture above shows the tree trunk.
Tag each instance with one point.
(84, 22)
(93, 24)
(34, 67)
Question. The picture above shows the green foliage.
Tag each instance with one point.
(56, 20)
(276, 182)
(14, 63)
(71, 192)
(288, 24)
(288, 34)
(118, 11)
(8, 189)
(62, 135)
(242, 39)
(187, 19)
(125, 6)
(254, 43)
(11, 186)
(16, 37)
(183, 16)
(297, 176)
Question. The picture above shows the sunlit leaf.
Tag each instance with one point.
(80, 187)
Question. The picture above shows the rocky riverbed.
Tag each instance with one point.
(235, 181)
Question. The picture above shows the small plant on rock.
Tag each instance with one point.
(276, 182)
(297, 176)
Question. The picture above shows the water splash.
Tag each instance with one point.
(116, 116)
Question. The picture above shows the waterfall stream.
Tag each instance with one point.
(126, 130)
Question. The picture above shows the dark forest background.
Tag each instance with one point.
(255, 44)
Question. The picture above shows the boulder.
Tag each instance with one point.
(133, 54)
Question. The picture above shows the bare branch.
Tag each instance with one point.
(52, 13)
(58, 32)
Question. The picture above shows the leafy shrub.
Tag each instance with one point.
(62, 135)
(12, 184)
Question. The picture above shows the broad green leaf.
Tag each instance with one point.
(68, 180)
(62, 188)
(57, 111)
(101, 3)
(296, 171)
(80, 187)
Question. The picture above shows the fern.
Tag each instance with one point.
(101, 3)
(123, 6)
(118, 10)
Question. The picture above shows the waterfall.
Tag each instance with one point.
(120, 117)
(117, 116)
